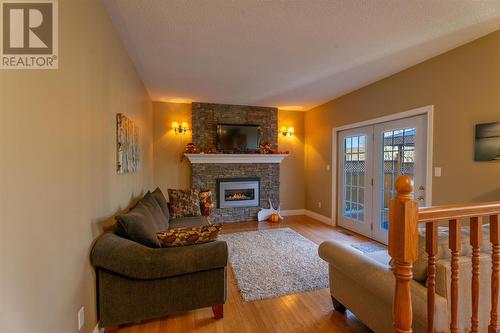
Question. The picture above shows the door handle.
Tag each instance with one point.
(421, 196)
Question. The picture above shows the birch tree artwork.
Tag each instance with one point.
(127, 145)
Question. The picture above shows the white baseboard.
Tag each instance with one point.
(292, 212)
(319, 217)
(311, 214)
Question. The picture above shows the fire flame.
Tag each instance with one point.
(238, 196)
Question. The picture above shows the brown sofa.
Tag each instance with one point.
(138, 280)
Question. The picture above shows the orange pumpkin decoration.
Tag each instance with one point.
(274, 218)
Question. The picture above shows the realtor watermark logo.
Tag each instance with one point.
(29, 33)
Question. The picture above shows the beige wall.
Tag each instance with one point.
(168, 147)
(170, 172)
(292, 185)
(464, 87)
(57, 171)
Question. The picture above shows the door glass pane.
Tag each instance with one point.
(398, 148)
(354, 177)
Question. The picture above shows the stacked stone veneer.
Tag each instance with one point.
(205, 177)
(205, 117)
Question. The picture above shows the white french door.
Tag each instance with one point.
(370, 159)
(356, 173)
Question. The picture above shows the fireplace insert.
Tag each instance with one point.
(238, 192)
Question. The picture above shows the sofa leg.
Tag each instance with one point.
(218, 311)
(111, 329)
(339, 307)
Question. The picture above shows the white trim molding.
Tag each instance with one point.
(235, 158)
(293, 212)
(319, 217)
(427, 110)
(309, 213)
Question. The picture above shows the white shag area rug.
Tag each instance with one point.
(275, 262)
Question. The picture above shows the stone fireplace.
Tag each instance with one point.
(205, 176)
(238, 192)
(240, 183)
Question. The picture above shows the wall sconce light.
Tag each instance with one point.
(287, 132)
(180, 129)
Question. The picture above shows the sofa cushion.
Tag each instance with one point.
(189, 222)
(184, 203)
(138, 225)
(162, 201)
(154, 208)
(189, 236)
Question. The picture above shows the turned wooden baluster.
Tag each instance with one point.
(403, 247)
(476, 237)
(455, 247)
(431, 236)
(495, 268)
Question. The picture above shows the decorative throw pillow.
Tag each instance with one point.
(189, 236)
(154, 208)
(205, 202)
(162, 201)
(138, 225)
(184, 203)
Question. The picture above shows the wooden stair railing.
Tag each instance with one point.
(404, 217)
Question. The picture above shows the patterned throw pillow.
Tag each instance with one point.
(184, 203)
(205, 202)
(189, 236)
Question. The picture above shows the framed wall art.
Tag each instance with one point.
(487, 142)
(127, 145)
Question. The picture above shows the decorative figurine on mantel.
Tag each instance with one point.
(190, 149)
(264, 213)
(265, 148)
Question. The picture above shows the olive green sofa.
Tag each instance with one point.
(136, 282)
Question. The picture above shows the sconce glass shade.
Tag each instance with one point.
(287, 132)
(180, 129)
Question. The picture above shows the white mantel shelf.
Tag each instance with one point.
(235, 158)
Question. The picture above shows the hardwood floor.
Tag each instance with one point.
(303, 312)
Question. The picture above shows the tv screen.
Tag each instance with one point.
(238, 138)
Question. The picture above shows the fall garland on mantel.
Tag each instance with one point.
(265, 148)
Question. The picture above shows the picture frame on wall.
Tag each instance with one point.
(487, 142)
(127, 145)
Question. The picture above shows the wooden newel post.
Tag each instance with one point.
(403, 248)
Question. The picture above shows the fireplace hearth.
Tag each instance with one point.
(238, 192)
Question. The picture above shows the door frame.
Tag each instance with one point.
(427, 110)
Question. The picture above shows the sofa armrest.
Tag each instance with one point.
(379, 280)
(374, 275)
(133, 260)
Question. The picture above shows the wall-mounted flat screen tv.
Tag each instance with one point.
(238, 138)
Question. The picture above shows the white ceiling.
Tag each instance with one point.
(287, 53)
